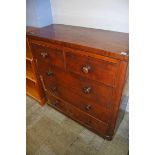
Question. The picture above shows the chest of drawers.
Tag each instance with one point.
(83, 71)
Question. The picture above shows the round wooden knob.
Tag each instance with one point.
(88, 121)
(86, 69)
(87, 90)
(44, 54)
(54, 88)
(49, 73)
(88, 107)
(55, 103)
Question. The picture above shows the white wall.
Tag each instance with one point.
(103, 14)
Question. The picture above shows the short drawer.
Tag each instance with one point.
(52, 54)
(92, 68)
(85, 105)
(56, 103)
(88, 121)
(88, 89)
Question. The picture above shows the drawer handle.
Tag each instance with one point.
(87, 90)
(88, 107)
(88, 122)
(49, 73)
(44, 54)
(86, 69)
(71, 113)
(55, 103)
(54, 88)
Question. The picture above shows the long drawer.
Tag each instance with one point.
(88, 121)
(78, 115)
(85, 105)
(88, 89)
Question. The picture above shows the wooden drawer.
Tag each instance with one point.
(85, 105)
(92, 68)
(56, 103)
(88, 121)
(88, 89)
(52, 54)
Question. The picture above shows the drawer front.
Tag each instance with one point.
(85, 88)
(87, 106)
(56, 103)
(88, 121)
(43, 54)
(92, 68)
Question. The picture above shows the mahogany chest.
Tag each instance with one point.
(83, 71)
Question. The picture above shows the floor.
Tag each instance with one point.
(51, 133)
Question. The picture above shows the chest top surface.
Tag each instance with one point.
(103, 41)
